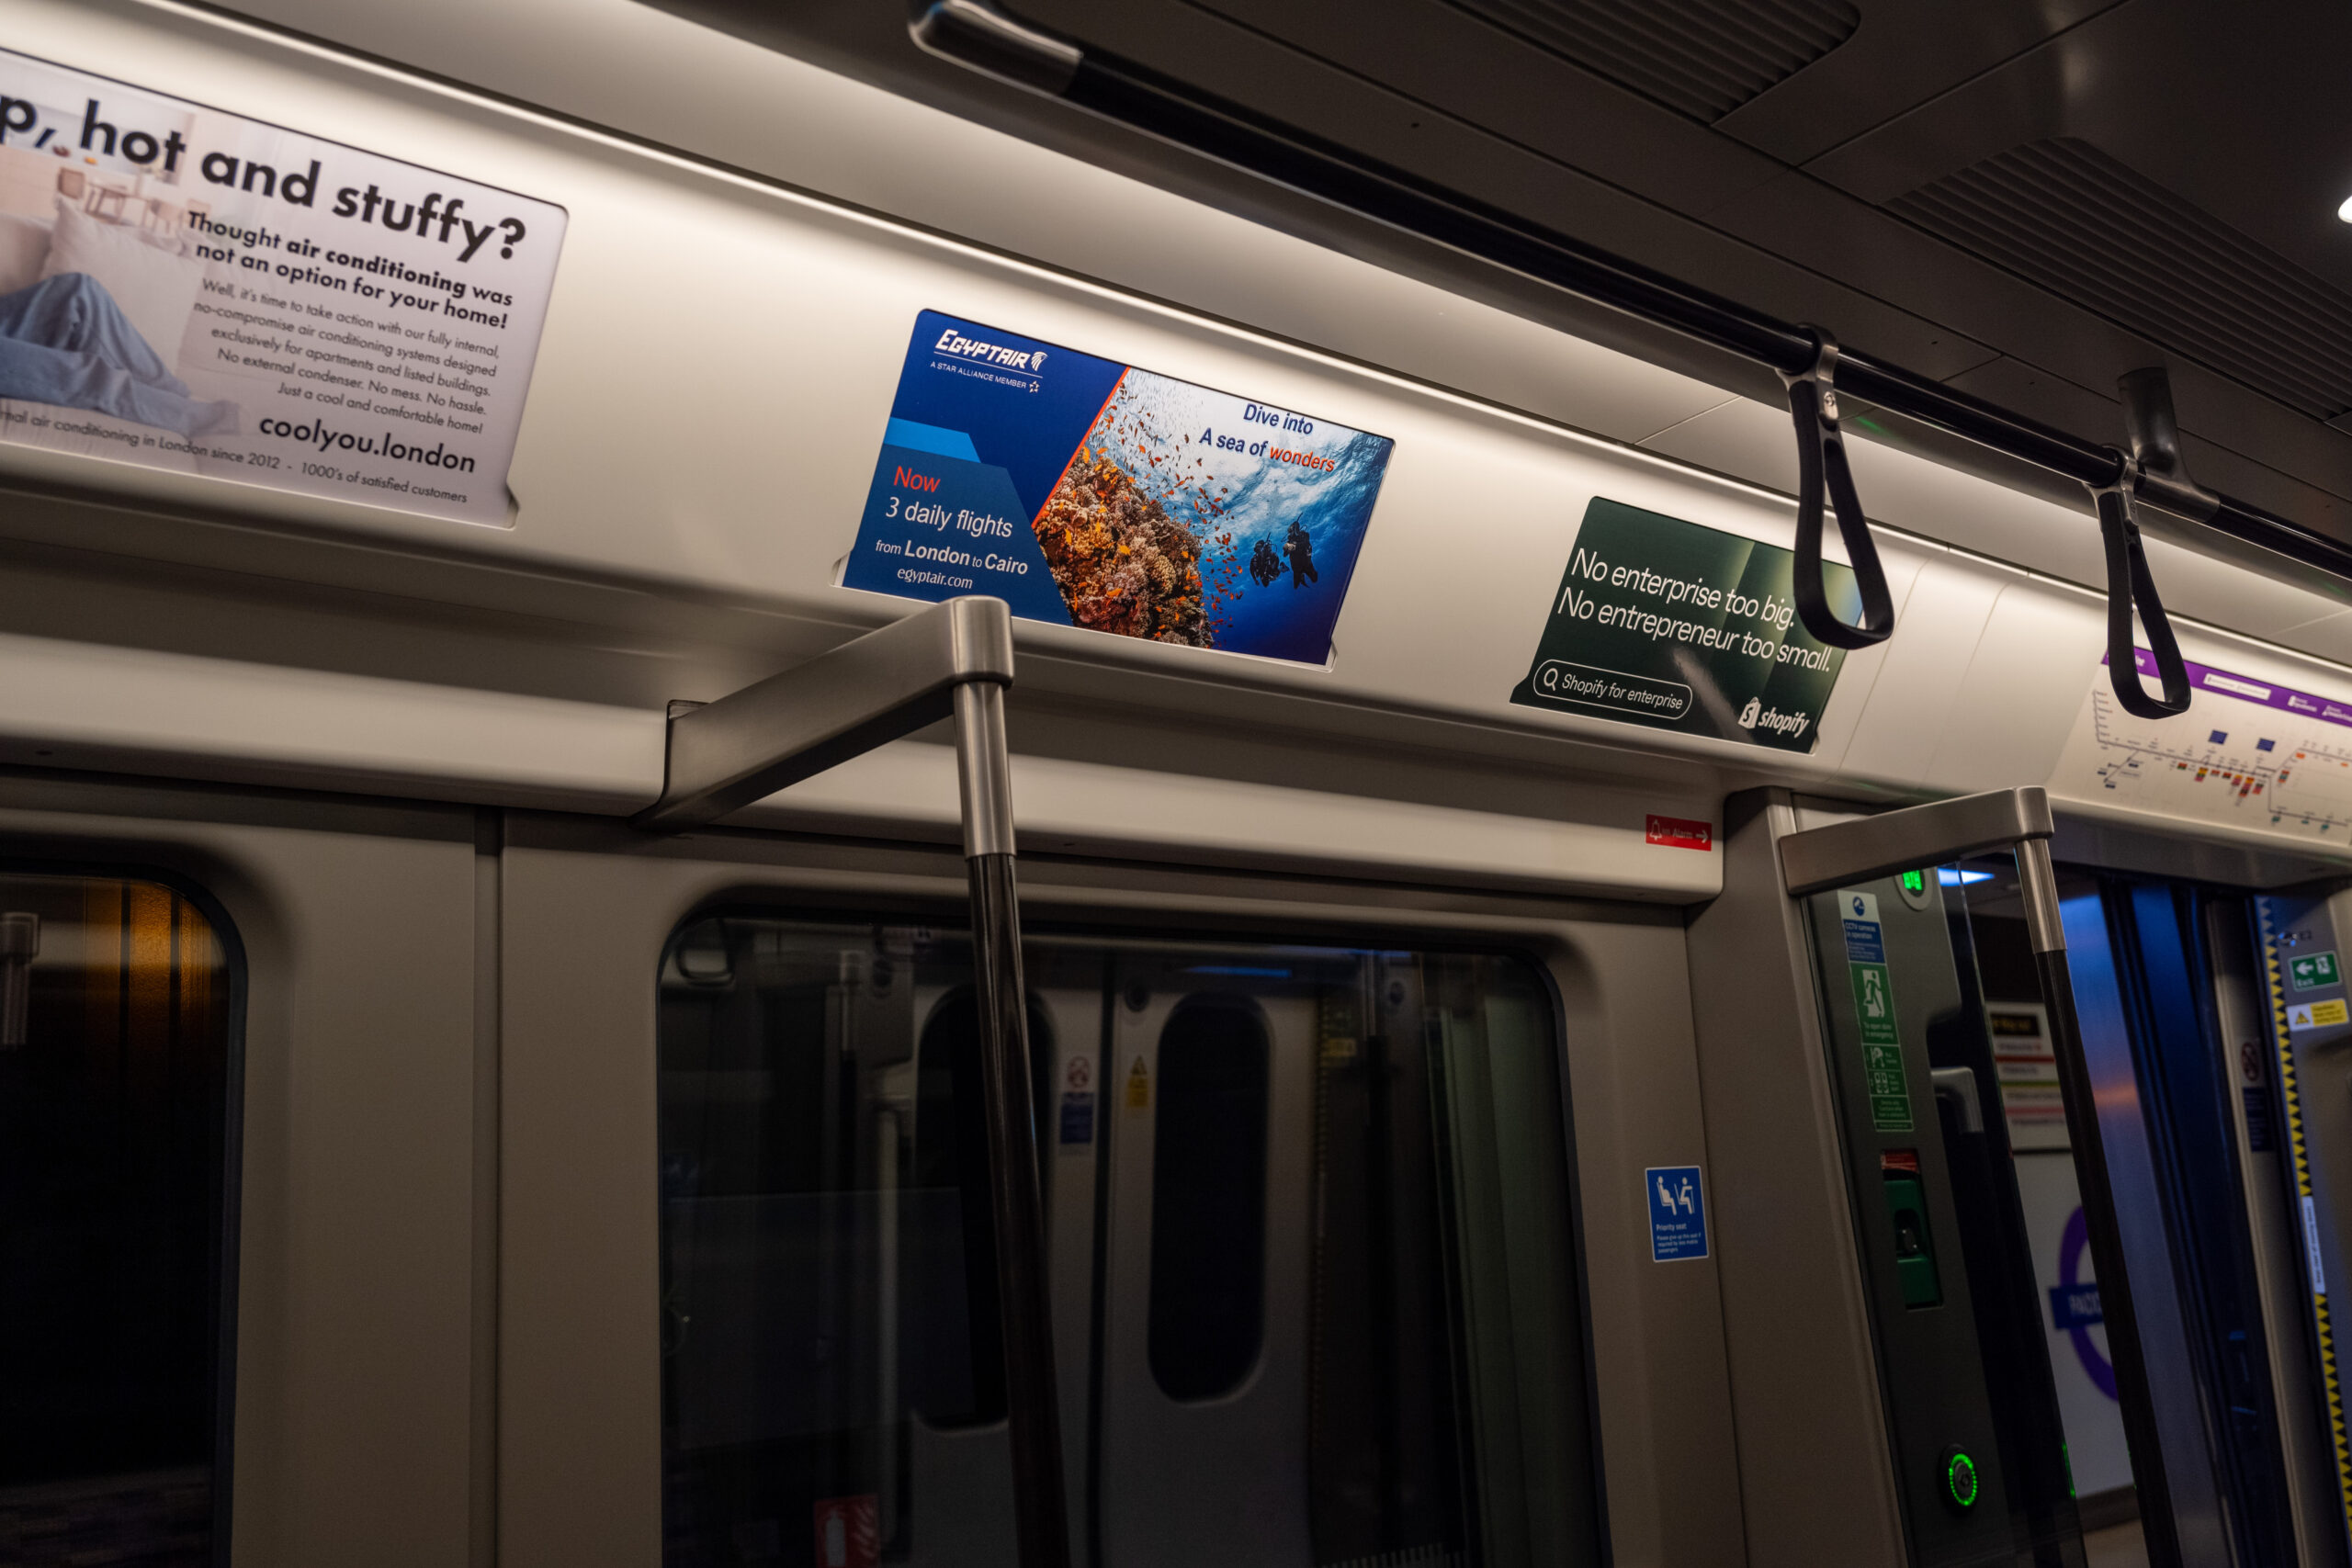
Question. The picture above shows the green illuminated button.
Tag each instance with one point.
(1914, 882)
(1961, 1484)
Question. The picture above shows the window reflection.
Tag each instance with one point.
(1309, 1224)
(113, 1101)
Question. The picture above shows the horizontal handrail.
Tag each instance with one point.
(887, 684)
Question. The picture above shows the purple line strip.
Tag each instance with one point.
(2246, 689)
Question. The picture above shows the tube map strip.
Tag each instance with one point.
(1089, 493)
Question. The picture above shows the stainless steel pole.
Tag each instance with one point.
(1032, 1409)
(2038, 882)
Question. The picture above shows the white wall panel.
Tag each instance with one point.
(1596, 844)
(89, 706)
(1911, 706)
(720, 360)
(720, 356)
(652, 74)
(2010, 717)
(86, 705)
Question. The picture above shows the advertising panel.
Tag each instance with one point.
(1090, 494)
(197, 291)
(1668, 624)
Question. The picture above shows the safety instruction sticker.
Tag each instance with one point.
(1677, 1213)
(191, 290)
(1090, 494)
(2312, 971)
(2025, 1064)
(1077, 1102)
(1665, 623)
(1888, 1086)
(2317, 1015)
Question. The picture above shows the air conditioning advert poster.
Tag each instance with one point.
(192, 290)
(1089, 493)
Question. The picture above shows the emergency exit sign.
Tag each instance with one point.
(2310, 971)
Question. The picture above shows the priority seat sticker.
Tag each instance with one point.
(1089, 493)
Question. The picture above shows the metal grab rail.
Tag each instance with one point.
(953, 660)
(1821, 463)
(2156, 466)
(1819, 858)
(2130, 588)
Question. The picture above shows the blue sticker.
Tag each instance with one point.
(1077, 1117)
(1086, 492)
(2075, 1306)
(1865, 940)
(1677, 1213)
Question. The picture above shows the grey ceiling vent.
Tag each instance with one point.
(1704, 58)
(2064, 215)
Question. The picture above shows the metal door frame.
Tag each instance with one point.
(1815, 1450)
(588, 908)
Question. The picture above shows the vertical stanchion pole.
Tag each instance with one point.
(2038, 881)
(1032, 1410)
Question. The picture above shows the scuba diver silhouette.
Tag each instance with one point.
(1301, 550)
(1264, 565)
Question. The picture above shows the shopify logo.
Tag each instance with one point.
(1756, 716)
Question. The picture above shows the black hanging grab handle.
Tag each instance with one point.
(1821, 465)
(2129, 587)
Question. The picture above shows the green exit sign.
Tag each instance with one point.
(2310, 971)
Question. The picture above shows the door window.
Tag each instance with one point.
(1310, 1232)
(1208, 1200)
(117, 1057)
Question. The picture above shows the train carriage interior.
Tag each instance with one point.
(1009, 783)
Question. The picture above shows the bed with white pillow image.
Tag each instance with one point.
(108, 332)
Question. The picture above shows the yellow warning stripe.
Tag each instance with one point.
(2283, 1039)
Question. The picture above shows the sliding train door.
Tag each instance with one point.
(2198, 1007)
(2277, 973)
(243, 1317)
(1946, 1263)
(1200, 1427)
(1317, 1273)
(1889, 1368)
(1337, 1251)
(1959, 1359)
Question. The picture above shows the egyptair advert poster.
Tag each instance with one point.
(1090, 494)
(196, 291)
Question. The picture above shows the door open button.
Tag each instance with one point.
(1915, 1251)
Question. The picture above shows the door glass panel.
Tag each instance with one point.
(116, 1056)
(950, 1155)
(1208, 1200)
(2157, 957)
(1312, 1246)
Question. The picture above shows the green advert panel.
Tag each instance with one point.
(1665, 623)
